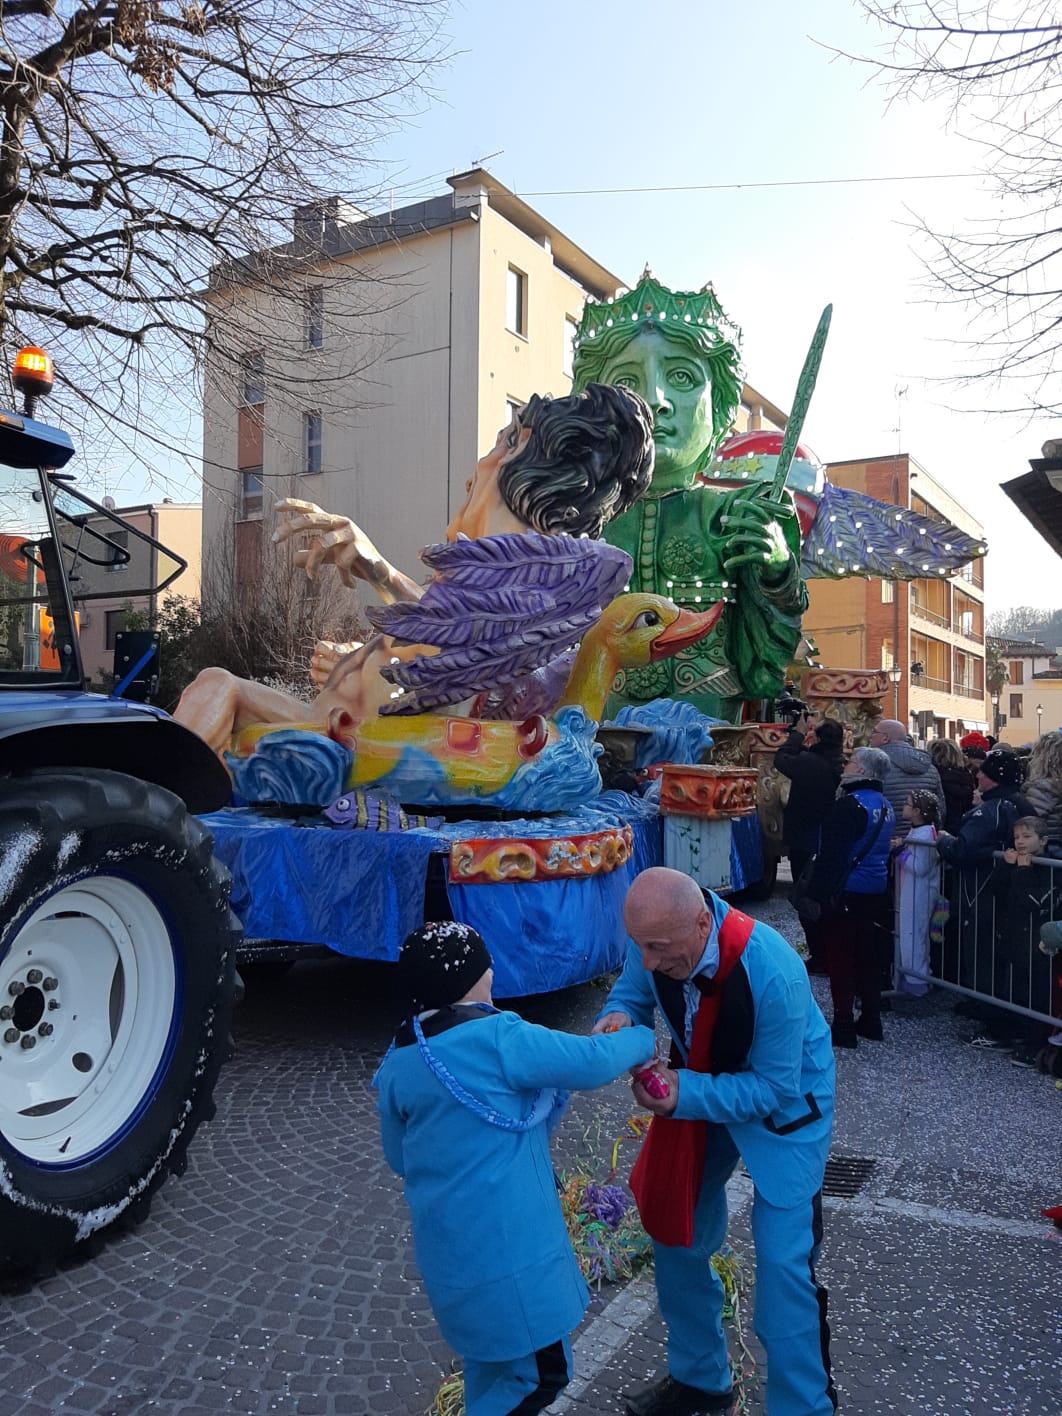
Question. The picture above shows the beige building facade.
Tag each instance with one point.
(476, 299)
(932, 629)
(1036, 707)
(1031, 699)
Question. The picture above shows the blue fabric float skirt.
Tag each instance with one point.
(790, 1317)
(520, 1387)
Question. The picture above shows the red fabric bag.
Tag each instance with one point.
(666, 1178)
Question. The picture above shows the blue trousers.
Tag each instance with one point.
(790, 1314)
(520, 1387)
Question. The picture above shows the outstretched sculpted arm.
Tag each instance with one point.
(335, 540)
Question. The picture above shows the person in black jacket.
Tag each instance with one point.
(989, 825)
(956, 779)
(813, 761)
(986, 828)
(848, 893)
(1027, 893)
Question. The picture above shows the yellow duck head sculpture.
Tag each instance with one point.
(635, 630)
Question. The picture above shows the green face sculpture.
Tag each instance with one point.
(676, 383)
(692, 541)
(681, 353)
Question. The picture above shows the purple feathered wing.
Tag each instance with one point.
(498, 609)
(854, 534)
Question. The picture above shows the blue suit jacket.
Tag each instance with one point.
(488, 1231)
(779, 1107)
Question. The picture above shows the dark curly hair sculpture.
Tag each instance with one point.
(589, 458)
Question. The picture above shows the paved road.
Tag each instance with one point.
(276, 1276)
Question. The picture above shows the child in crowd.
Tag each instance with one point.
(466, 1098)
(1026, 896)
(917, 889)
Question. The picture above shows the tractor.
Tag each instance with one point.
(117, 943)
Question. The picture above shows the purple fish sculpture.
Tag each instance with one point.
(374, 811)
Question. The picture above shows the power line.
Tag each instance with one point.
(740, 186)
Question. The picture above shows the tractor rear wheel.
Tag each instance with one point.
(117, 957)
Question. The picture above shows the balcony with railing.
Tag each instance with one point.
(938, 685)
(969, 676)
(931, 601)
(935, 657)
(967, 631)
(973, 572)
(922, 611)
(968, 618)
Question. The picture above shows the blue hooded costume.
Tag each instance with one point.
(465, 1102)
(768, 1099)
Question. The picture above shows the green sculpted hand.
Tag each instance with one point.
(756, 531)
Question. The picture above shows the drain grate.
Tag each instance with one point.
(846, 1175)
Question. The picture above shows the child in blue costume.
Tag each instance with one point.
(466, 1095)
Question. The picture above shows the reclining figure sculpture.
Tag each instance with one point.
(561, 468)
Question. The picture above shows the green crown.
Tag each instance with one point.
(650, 301)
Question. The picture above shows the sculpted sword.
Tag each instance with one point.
(804, 389)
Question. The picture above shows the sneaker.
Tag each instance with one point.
(668, 1397)
(1025, 1057)
(843, 1032)
(869, 1026)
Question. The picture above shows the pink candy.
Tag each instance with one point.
(656, 1085)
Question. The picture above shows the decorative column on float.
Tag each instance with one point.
(855, 697)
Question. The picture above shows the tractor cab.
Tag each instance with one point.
(59, 549)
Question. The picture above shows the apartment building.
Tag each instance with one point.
(930, 630)
(475, 301)
(1034, 708)
(178, 528)
(1034, 680)
(480, 299)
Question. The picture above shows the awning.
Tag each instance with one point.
(1038, 496)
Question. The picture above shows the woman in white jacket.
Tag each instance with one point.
(917, 888)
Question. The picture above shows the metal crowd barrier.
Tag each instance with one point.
(985, 955)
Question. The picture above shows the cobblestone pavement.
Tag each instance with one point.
(277, 1277)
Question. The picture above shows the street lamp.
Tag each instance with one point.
(995, 714)
(1039, 720)
(895, 675)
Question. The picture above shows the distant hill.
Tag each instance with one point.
(1027, 622)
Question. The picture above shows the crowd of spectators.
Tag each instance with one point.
(867, 839)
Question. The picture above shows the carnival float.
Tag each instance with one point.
(583, 682)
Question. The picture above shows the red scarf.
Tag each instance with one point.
(666, 1178)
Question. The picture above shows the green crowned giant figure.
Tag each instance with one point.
(690, 541)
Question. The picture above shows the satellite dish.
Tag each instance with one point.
(108, 503)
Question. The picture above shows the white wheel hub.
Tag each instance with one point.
(87, 995)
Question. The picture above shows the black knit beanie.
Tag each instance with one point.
(1002, 767)
(439, 963)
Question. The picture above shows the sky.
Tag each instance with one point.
(576, 97)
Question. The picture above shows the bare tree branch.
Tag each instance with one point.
(998, 63)
(149, 146)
